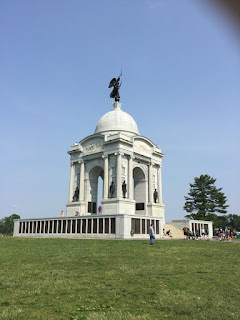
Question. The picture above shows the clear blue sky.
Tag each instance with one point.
(181, 67)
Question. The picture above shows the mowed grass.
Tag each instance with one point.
(103, 279)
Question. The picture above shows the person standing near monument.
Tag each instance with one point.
(152, 234)
(203, 232)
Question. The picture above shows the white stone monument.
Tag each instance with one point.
(129, 164)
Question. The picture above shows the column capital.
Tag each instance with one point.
(152, 163)
(80, 161)
(119, 153)
(72, 163)
(105, 156)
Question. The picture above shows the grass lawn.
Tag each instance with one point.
(108, 279)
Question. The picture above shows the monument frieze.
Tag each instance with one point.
(142, 149)
(92, 148)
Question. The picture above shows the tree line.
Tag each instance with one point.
(7, 224)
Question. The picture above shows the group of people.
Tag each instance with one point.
(167, 233)
(224, 233)
(198, 234)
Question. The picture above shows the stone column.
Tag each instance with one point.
(44, 226)
(119, 175)
(76, 224)
(105, 179)
(159, 185)
(71, 182)
(130, 178)
(150, 186)
(81, 187)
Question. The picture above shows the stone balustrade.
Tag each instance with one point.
(91, 226)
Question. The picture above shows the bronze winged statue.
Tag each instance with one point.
(115, 83)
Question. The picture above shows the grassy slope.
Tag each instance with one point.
(101, 279)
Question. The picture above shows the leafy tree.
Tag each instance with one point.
(234, 221)
(7, 224)
(204, 200)
(231, 220)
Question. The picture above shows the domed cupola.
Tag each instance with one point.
(117, 120)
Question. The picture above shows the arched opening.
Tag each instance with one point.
(140, 190)
(95, 189)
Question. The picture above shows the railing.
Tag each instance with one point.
(64, 226)
(91, 226)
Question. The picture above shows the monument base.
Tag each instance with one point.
(118, 206)
(118, 226)
(156, 210)
(73, 207)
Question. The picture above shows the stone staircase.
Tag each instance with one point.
(176, 233)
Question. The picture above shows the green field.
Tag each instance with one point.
(114, 279)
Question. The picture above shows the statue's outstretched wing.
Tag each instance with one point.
(112, 83)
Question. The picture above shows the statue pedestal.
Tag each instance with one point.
(156, 210)
(72, 207)
(118, 206)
